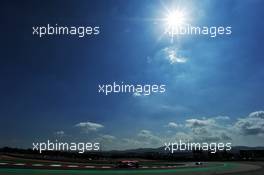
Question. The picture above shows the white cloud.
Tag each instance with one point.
(172, 125)
(89, 126)
(183, 136)
(130, 141)
(148, 138)
(173, 56)
(105, 139)
(59, 133)
(220, 128)
(251, 125)
(193, 123)
(108, 137)
(207, 130)
(222, 118)
(145, 134)
(257, 114)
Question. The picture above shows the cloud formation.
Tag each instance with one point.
(194, 129)
(196, 123)
(173, 56)
(89, 126)
(172, 125)
(148, 138)
(251, 125)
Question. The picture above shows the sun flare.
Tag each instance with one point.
(175, 19)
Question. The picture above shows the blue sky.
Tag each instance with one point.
(49, 85)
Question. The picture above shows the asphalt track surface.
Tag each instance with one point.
(210, 168)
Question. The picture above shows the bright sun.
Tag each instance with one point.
(175, 19)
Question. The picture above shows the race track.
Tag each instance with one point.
(12, 168)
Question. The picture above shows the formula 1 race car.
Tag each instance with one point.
(127, 164)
